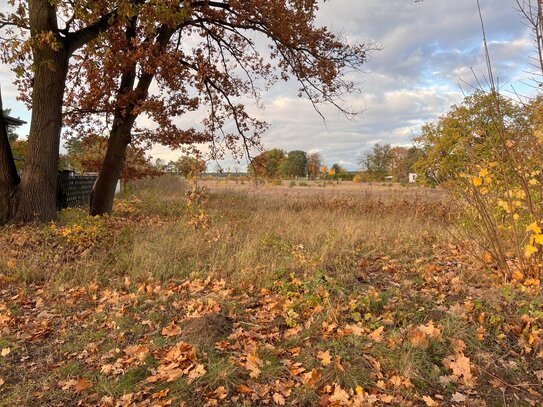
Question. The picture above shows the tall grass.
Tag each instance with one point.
(251, 237)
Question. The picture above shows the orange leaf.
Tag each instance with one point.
(324, 357)
(278, 399)
(82, 384)
(377, 335)
(171, 330)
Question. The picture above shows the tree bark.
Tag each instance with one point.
(9, 179)
(103, 192)
(36, 195)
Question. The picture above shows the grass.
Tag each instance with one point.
(287, 271)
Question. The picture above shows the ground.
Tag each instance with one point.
(299, 293)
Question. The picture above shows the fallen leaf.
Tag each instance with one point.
(534, 393)
(430, 330)
(311, 379)
(278, 399)
(458, 397)
(386, 398)
(221, 392)
(430, 402)
(82, 384)
(324, 357)
(197, 372)
(418, 339)
(339, 396)
(480, 335)
(338, 364)
(171, 330)
(67, 384)
(253, 364)
(243, 389)
(377, 335)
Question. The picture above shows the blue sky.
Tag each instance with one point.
(429, 50)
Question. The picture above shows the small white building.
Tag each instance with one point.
(412, 177)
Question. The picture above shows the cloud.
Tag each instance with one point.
(429, 50)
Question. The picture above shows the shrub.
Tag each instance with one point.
(487, 152)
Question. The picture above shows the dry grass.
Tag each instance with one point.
(286, 270)
(255, 234)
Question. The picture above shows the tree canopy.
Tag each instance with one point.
(295, 164)
(468, 130)
(195, 54)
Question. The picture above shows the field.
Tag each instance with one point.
(295, 294)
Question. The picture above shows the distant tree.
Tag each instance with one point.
(377, 161)
(338, 172)
(408, 164)
(295, 165)
(398, 155)
(267, 164)
(19, 149)
(189, 166)
(314, 164)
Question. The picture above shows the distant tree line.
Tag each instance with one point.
(278, 164)
(186, 166)
(386, 161)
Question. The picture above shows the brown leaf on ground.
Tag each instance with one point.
(278, 399)
(430, 402)
(324, 357)
(171, 330)
(82, 384)
(458, 397)
(377, 335)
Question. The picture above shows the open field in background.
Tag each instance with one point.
(344, 294)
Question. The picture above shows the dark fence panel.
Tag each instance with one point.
(74, 190)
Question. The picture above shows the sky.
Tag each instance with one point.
(431, 54)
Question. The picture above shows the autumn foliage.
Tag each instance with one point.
(115, 64)
(487, 151)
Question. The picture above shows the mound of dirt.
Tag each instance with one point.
(206, 330)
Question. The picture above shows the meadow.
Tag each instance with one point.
(222, 292)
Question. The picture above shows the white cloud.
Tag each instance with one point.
(429, 48)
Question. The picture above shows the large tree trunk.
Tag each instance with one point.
(36, 196)
(103, 192)
(9, 179)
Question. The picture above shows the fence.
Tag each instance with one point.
(74, 190)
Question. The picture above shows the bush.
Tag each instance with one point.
(487, 152)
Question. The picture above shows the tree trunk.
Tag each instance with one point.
(9, 179)
(103, 192)
(36, 195)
